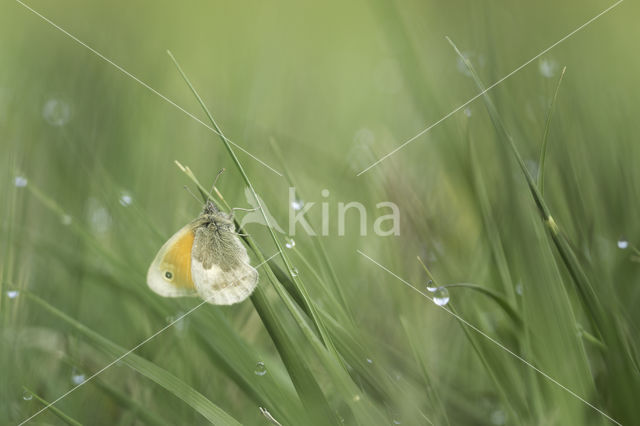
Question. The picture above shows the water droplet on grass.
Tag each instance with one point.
(294, 272)
(77, 377)
(56, 112)
(12, 294)
(441, 296)
(476, 60)
(547, 67)
(369, 360)
(27, 396)
(20, 181)
(260, 370)
(431, 287)
(498, 417)
(290, 244)
(125, 199)
(99, 217)
(623, 244)
(519, 289)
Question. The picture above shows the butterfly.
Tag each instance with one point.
(204, 258)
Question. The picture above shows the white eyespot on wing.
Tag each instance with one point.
(220, 287)
(170, 272)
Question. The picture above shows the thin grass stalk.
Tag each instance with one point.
(317, 242)
(55, 410)
(332, 359)
(545, 137)
(173, 384)
(247, 181)
(580, 278)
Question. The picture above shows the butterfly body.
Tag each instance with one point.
(205, 258)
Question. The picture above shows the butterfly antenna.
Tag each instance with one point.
(216, 179)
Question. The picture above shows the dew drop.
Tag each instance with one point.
(125, 199)
(20, 181)
(396, 422)
(56, 112)
(66, 219)
(430, 287)
(498, 417)
(77, 377)
(290, 243)
(441, 296)
(533, 167)
(99, 217)
(294, 272)
(471, 57)
(260, 370)
(297, 204)
(623, 244)
(27, 396)
(547, 67)
(519, 289)
(12, 294)
(369, 360)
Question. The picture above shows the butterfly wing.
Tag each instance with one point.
(170, 273)
(220, 267)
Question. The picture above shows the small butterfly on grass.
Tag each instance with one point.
(205, 258)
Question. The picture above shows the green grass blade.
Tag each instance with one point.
(301, 288)
(545, 137)
(62, 416)
(605, 325)
(580, 278)
(173, 384)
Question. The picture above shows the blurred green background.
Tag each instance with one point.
(89, 192)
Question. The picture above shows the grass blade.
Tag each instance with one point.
(173, 384)
(64, 417)
(545, 137)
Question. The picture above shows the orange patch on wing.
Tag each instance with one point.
(177, 260)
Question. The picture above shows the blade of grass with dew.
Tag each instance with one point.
(240, 360)
(186, 393)
(349, 341)
(301, 288)
(331, 359)
(223, 354)
(494, 366)
(340, 376)
(604, 324)
(545, 137)
(499, 299)
(583, 284)
(62, 416)
(308, 389)
(317, 242)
